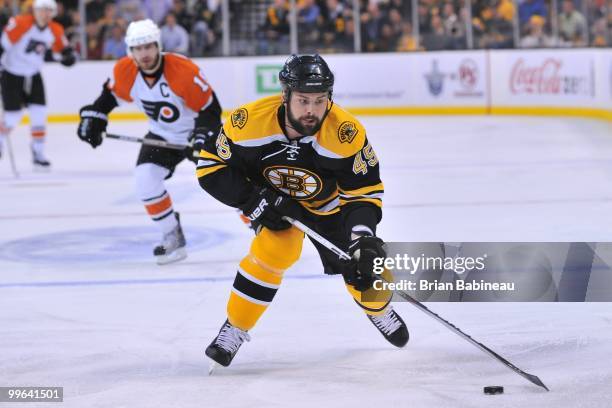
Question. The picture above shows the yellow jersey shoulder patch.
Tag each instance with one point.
(254, 120)
(342, 133)
(347, 131)
(239, 117)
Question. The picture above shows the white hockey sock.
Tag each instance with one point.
(38, 147)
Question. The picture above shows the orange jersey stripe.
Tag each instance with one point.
(159, 207)
(18, 26)
(38, 133)
(244, 219)
(185, 81)
(60, 39)
(124, 75)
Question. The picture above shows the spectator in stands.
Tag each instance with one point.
(62, 16)
(108, 20)
(505, 10)
(572, 25)
(449, 17)
(174, 37)
(437, 38)
(402, 6)
(183, 17)
(94, 10)
(156, 10)
(497, 27)
(387, 40)
(5, 13)
(308, 14)
(114, 45)
(94, 41)
(407, 41)
(274, 34)
(529, 8)
(599, 33)
(396, 22)
(333, 25)
(334, 16)
(536, 38)
(424, 19)
(454, 28)
(73, 32)
(371, 22)
(204, 30)
(130, 10)
(346, 41)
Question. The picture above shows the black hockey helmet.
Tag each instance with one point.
(306, 73)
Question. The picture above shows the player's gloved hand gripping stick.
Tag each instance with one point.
(343, 255)
(92, 129)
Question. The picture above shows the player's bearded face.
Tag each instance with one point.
(306, 111)
(43, 16)
(146, 56)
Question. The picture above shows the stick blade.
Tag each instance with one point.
(535, 379)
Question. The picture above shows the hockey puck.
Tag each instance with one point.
(494, 389)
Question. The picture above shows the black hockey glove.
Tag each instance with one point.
(197, 140)
(68, 57)
(266, 208)
(360, 270)
(92, 125)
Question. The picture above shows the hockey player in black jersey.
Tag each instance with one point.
(298, 155)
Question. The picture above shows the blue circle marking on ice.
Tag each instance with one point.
(101, 245)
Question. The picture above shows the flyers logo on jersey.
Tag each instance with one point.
(239, 118)
(38, 47)
(297, 183)
(164, 111)
(347, 132)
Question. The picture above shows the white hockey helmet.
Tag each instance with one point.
(142, 32)
(45, 4)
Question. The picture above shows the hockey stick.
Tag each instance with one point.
(9, 148)
(145, 141)
(343, 255)
(9, 145)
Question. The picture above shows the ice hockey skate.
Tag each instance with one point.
(39, 160)
(225, 346)
(391, 325)
(172, 247)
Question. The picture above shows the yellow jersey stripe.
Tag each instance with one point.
(363, 190)
(209, 170)
(207, 155)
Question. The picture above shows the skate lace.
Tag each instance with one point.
(230, 338)
(388, 322)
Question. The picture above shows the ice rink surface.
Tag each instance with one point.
(83, 306)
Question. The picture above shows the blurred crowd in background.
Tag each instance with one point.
(261, 27)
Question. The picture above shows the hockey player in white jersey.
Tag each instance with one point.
(25, 41)
(181, 106)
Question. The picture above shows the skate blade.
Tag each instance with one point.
(41, 169)
(212, 366)
(177, 255)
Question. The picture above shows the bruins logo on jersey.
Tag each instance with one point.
(239, 118)
(298, 183)
(347, 132)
